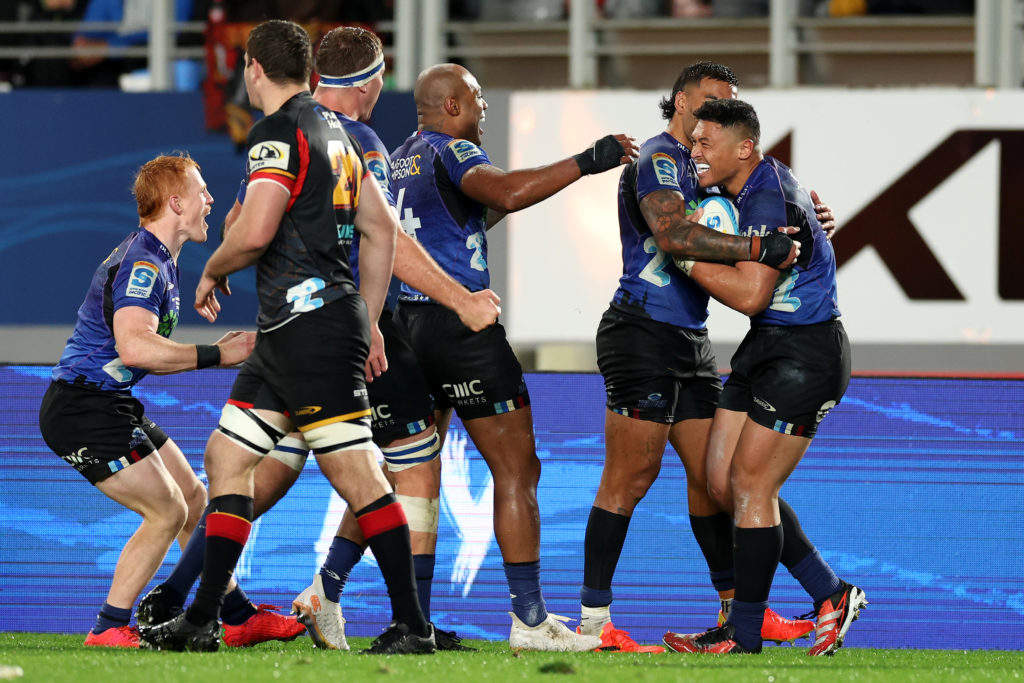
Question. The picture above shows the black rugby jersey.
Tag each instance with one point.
(303, 148)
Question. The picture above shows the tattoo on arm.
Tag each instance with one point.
(665, 213)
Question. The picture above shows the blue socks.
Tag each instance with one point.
(341, 558)
(593, 597)
(816, 577)
(237, 608)
(746, 618)
(424, 567)
(111, 617)
(524, 588)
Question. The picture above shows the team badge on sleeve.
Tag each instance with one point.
(142, 279)
(464, 149)
(378, 167)
(665, 169)
(269, 154)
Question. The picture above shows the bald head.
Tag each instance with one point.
(436, 83)
(448, 100)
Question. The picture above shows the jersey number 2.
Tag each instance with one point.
(654, 271)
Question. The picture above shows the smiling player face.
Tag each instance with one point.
(472, 109)
(717, 153)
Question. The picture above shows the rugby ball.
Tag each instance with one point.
(719, 214)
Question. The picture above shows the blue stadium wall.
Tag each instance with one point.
(913, 490)
(65, 191)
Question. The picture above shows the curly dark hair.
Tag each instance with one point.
(694, 74)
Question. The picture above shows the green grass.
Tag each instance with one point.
(63, 658)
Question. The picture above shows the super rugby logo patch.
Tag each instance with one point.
(269, 154)
(378, 167)
(464, 149)
(665, 169)
(141, 280)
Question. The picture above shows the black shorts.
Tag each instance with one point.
(97, 432)
(400, 400)
(655, 371)
(311, 369)
(476, 372)
(789, 378)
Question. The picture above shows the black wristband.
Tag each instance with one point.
(207, 356)
(601, 156)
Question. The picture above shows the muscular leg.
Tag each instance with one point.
(147, 488)
(358, 479)
(799, 555)
(761, 463)
(632, 461)
(191, 488)
(506, 443)
(712, 527)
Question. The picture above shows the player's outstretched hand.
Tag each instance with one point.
(606, 153)
(774, 249)
(376, 361)
(824, 213)
(235, 347)
(206, 297)
(480, 309)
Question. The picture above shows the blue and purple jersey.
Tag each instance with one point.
(427, 173)
(651, 286)
(806, 292)
(138, 272)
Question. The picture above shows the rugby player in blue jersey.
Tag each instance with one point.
(450, 195)
(791, 369)
(403, 419)
(308, 191)
(653, 351)
(89, 416)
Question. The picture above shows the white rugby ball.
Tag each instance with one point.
(719, 214)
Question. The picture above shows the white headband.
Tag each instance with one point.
(356, 79)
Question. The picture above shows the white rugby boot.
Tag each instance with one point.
(321, 617)
(550, 635)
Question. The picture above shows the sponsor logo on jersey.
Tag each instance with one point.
(269, 154)
(464, 149)
(405, 166)
(309, 410)
(381, 412)
(665, 169)
(824, 410)
(764, 404)
(141, 280)
(378, 166)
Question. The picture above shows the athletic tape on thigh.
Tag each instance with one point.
(422, 513)
(342, 433)
(292, 452)
(411, 454)
(248, 430)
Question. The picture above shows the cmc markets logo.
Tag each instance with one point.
(884, 223)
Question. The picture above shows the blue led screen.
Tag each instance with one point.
(913, 490)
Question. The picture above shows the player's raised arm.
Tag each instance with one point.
(508, 191)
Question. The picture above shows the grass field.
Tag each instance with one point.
(63, 658)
